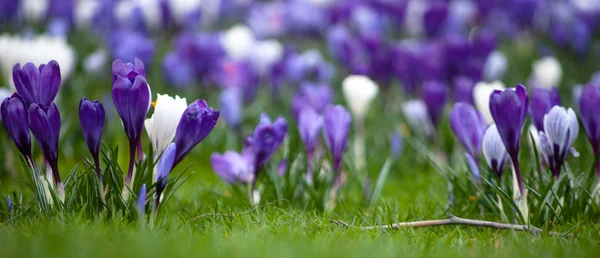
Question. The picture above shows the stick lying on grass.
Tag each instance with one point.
(453, 220)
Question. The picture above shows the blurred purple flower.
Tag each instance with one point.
(309, 126)
(434, 94)
(589, 104)
(542, 100)
(141, 201)
(238, 75)
(267, 19)
(314, 95)
(193, 58)
(265, 140)
(232, 167)
(305, 18)
(230, 102)
(468, 126)
(493, 150)
(434, 18)
(128, 45)
(310, 66)
(463, 89)
(336, 128)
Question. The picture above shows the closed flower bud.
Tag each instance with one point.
(561, 130)
(232, 167)
(44, 122)
(359, 92)
(15, 118)
(91, 118)
(589, 104)
(493, 150)
(468, 126)
(195, 124)
(265, 140)
(162, 124)
(336, 128)
(542, 100)
(141, 201)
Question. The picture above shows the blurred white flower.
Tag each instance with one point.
(34, 10)
(415, 113)
(181, 9)
(95, 61)
(238, 42)
(84, 11)
(150, 10)
(38, 50)
(547, 72)
(161, 126)
(266, 54)
(495, 66)
(359, 91)
(413, 19)
(481, 98)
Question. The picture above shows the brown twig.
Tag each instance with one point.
(453, 220)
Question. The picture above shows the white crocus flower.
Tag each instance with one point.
(481, 98)
(547, 72)
(495, 66)
(266, 54)
(561, 129)
(415, 113)
(238, 42)
(162, 125)
(34, 10)
(493, 149)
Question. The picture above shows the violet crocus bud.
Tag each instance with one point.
(44, 122)
(131, 96)
(15, 118)
(472, 163)
(336, 127)
(463, 89)
(231, 107)
(542, 100)
(37, 84)
(265, 140)
(561, 130)
(493, 150)
(91, 118)
(589, 104)
(195, 124)
(232, 167)
(509, 110)
(468, 126)
(309, 125)
(163, 169)
(141, 201)
(315, 95)
(434, 95)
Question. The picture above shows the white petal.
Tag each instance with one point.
(238, 42)
(547, 72)
(481, 98)
(359, 92)
(492, 146)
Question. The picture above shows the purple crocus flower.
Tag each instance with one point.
(239, 75)
(195, 124)
(314, 95)
(542, 100)
(10, 206)
(91, 118)
(434, 95)
(509, 110)
(232, 167)
(463, 89)
(163, 169)
(15, 118)
(141, 201)
(129, 45)
(589, 104)
(265, 140)
(131, 96)
(231, 107)
(37, 84)
(468, 126)
(336, 127)
(44, 122)
(308, 65)
(309, 125)
(434, 17)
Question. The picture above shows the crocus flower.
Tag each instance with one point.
(238, 42)
(15, 118)
(547, 72)
(509, 110)
(129, 45)
(463, 89)
(163, 169)
(315, 95)
(265, 140)
(91, 118)
(495, 66)
(542, 100)
(162, 124)
(141, 201)
(359, 91)
(131, 96)
(231, 107)
(232, 167)
(309, 125)
(10, 206)
(434, 96)
(493, 150)
(309, 65)
(195, 124)
(336, 127)
(468, 126)
(481, 98)
(561, 130)
(37, 84)
(415, 113)
(589, 104)
(44, 122)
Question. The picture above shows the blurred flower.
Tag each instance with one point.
(265, 55)
(37, 85)
(282, 167)
(542, 100)
(415, 113)
(238, 42)
(305, 18)
(561, 130)
(230, 102)
(493, 150)
(463, 89)
(94, 63)
(9, 10)
(195, 124)
(44, 122)
(232, 167)
(15, 119)
(468, 126)
(162, 124)
(91, 118)
(267, 19)
(310, 66)
(589, 104)
(481, 96)
(239, 75)
(434, 17)
(34, 10)
(396, 144)
(309, 126)
(128, 45)
(315, 95)
(141, 201)
(473, 166)
(9, 203)
(547, 72)
(366, 21)
(336, 128)
(359, 91)
(434, 95)
(495, 66)
(265, 140)
(58, 27)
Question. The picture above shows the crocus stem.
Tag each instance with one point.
(132, 147)
(359, 143)
(517, 173)
(99, 176)
(251, 192)
(140, 151)
(60, 189)
(519, 192)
